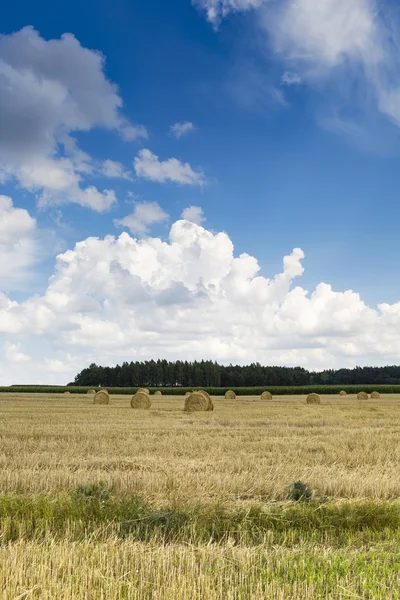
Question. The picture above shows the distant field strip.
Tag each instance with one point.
(214, 391)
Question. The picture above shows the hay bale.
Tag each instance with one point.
(375, 395)
(67, 393)
(313, 399)
(230, 395)
(187, 394)
(143, 391)
(101, 397)
(158, 394)
(342, 393)
(141, 400)
(210, 403)
(91, 391)
(196, 402)
(266, 396)
(362, 396)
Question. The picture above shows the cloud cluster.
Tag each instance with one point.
(350, 42)
(121, 298)
(48, 91)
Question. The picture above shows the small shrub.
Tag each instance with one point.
(299, 492)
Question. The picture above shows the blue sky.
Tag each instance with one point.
(286, 136)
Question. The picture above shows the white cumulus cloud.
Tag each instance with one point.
(121, 298)
(149, 166)
(114, 169)
(143, 216)
(194, 214)
(19, 247)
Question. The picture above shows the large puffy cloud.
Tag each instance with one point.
(121, 298)
(144, 215)
(49, 90)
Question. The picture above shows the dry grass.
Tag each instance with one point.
(244, 453)
(244, 450)
(123, 570)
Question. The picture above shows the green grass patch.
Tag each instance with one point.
(77, 515)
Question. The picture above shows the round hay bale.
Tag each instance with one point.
(187, 394)
(375, 395)
(342, 393)
(230, 395)
(313, 399)
(196, 402)
(362, 396)
(143, 391)
(91, 391)
(158, 394)
(266, 396)
(101, 397)
(210, 403)
(141, 400)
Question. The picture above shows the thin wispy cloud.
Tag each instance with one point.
(289, 78)
(179, 130)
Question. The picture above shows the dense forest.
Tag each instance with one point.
(163, 373)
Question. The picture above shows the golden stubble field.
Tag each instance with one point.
(244, 454)
(247, 449)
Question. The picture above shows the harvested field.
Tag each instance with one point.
(185, 467)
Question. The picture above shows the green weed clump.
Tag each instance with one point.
(299, 492)
(99, 493)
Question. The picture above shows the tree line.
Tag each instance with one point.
(163, 373)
